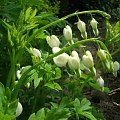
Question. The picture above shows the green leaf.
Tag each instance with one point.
(40, 115)
(37, 81)
(11, 110)
(58, 114)
(27, 13)
(32, 117)
(53, 85)
(77, 103)
(64, 102)
(2, 95)
(85, 104)
(33, 14)
(87, 115)
(117, 27)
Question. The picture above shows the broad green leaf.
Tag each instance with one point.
(53, 85)
(40, 115)
(77, 103)
(85, 104)
(37, 81)
(87, 115)
(64, 102)
(58, 114)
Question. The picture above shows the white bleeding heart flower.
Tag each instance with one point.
(93, 23)
(35, 52)
(19, 109)
(101, 53)
(67, 32)
(60, 60)
(53, 41)
(74, 61)
(116, 66)
(100, 81)
(87, 59)
(18, 74)
(82, 27)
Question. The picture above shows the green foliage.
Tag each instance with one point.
(112, 36)
(7, 106)
(65, 110)
(48, 83)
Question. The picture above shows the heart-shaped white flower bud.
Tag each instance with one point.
(56, 49)
(67, 32)
(19, 109)
(18, 74)
(35, 52)
(53, 41)
(102, 55)
(74, 61)
(116, 66)
(93, 23)
(81, 26)
(100, 82)
(61, 59)
(87, 59)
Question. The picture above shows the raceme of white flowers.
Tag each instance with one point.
(36, 52)
(101, 53)
(87, 59)
(74, 61)
(19, 109)
(82, 27)
(53, 41)
(94, 23)
(67, 32)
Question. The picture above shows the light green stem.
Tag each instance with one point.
(65, 49)
(104, 14)
(12, 69)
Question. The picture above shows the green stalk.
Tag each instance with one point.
(104, 14)
(12, 69)
(65, 49)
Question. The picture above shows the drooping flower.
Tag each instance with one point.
(36, 52)
(60, 60)
(100, 81)
(82, 27)
(87, 59)
(53, 41)
(94, 23)
(18, 74)
(74, 61)
(116, 67)
(19, 109)
(67, 32)
(101, 53)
